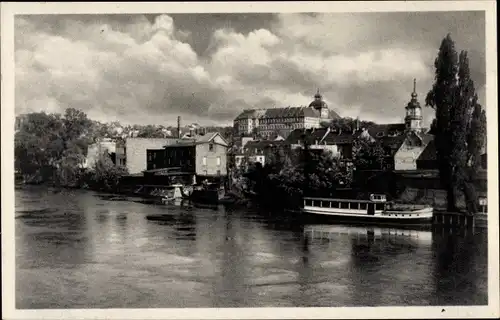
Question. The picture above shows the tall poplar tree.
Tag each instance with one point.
(460, 123)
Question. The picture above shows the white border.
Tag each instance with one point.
(8, 267)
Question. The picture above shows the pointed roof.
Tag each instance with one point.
(414, 97)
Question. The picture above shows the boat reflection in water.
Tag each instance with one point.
(369, 235)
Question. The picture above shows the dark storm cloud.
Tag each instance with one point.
(209, 67)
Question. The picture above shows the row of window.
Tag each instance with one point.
(283, 126)
(342, 205)
(271, 120)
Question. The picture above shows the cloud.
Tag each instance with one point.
(139, 70)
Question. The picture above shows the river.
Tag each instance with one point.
(75, 249)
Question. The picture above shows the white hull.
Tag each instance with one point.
(378, 214)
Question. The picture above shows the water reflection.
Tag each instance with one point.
(456, 271)
(76, 249)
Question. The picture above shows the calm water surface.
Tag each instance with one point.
(75, 249)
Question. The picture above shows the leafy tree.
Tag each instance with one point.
(106, 176)
(150, 131)
(52, 148)
(346, 124)
(460, 124)
(368, 155)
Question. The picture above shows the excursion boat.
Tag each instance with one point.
(375, 210)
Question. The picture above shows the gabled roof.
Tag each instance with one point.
(209, 136)
(333, 115)
(393, 143)
(429, 153)
(316, 135)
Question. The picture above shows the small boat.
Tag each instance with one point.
(174, 192)
(375, 210)
(207, 193)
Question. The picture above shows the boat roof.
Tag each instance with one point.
(341, 200)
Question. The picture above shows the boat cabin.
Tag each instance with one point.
(378, 198)
(347, 205)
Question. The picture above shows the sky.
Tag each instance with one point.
(207, 68)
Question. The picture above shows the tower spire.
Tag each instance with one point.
(413, 117)
(318, 96)
(414, 93)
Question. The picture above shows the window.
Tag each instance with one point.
(218, 161)
(211, 147)
(205, 161)
(218, 172)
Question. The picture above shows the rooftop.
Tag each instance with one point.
(288, 112)
(321, 135)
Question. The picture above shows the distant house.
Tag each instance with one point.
(338, 142)
(98, 151)
(203, 157)
(409, 151)
(253, 151)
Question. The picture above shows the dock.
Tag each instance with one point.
(457, 220)
(453, 219)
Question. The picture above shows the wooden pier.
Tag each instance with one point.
(453, 220)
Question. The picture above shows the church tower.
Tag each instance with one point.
(320, 105)
(413, 119)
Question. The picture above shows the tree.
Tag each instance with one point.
(150, 131)
(459, 125)
(106, 176)
(347, 124)
(368, 155)
(49, 147)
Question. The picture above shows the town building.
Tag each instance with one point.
(337, 142)
(267, 122)
(204, 157)
(247, 150)
(136, 151)
(99, 151)
(402, 142)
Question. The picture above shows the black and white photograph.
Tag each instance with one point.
(249, 160)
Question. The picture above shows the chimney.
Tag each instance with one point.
(179, 127)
